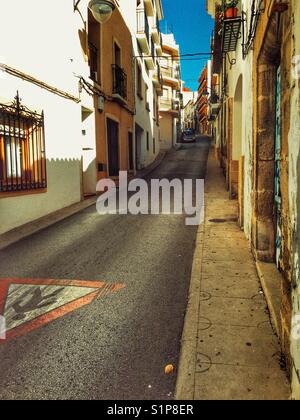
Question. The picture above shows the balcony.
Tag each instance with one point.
(231, 33)
(119, 91)
(171, 76)
(143, 31)
(156, 31)
(159, 50)
(170, 106)
(149, 6)
(150, 59)
(157, 80)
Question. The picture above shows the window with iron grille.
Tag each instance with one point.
(22, 149)
(93, 62)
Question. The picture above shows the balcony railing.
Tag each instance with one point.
(142, 23)
(169, 104)
(170, 72)
(119, 81)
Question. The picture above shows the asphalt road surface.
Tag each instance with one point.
(117, 346)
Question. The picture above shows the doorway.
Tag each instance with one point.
(138, 146)
(113, 147)
(130, 152)
(88, 154)
(267, 206)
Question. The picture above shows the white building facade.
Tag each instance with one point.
(45, 131)
(143, 18)
(170, 103)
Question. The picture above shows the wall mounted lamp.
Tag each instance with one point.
(102, 10)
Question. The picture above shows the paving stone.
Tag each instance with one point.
(223, 382)
(228, 311)
(218, 343)
(230, 286)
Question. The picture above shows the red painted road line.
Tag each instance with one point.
(49, 317)
(52, 282)
(3, 295)
(103, 289)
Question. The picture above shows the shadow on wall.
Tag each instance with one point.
(63, 189)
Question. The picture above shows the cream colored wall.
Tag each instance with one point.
(245, 146)
(166, 131)
(168, 122)
(41, 46)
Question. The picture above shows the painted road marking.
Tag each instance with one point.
(27, 304)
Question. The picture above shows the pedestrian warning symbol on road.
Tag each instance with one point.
(27, 304)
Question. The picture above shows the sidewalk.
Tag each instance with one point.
(229, 349)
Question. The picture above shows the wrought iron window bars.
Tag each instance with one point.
(22, 148)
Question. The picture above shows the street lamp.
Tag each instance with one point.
(101, 9)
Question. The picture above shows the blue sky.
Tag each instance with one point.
(192, 28)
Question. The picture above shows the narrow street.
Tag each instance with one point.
(116, 347)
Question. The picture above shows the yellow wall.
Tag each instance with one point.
(115, 30)
(166, 131)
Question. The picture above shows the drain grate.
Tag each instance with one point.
(234, 219)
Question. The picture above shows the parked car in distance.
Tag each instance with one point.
(188, 136)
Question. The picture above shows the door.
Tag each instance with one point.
(113, 147)
(88, 157)
(130, 151)
(138, 146)
(278, 169)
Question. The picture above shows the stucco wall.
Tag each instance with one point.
(40, 46)
(243, 146)
(166, 131)
(63, 152)
(115, 31)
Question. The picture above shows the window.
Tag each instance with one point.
(93, 62)
(147, 105)
(93, 48)
(22, 149)
(117, 55)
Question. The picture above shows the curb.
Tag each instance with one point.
(185, 385)
(268, 276)
(15, 235)
(147, 171)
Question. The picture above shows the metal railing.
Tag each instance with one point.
(170, 72)
(169, 104)
(22, 148)
(119, 81)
